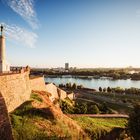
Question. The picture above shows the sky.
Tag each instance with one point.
(84, 33)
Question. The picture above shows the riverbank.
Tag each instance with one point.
(93, 83)
(120, 73)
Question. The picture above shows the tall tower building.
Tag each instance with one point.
(4, 67)
(66, 66)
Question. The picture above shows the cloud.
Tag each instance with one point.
(20, 35)
(25, 8)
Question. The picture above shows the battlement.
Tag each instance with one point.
(15, 89)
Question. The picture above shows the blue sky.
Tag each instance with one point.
(85, 33)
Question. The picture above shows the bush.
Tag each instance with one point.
(132, 91)
(104, 89)
(66, 107)
(105, 109)
(74, 86)
(68, 85)
(109, 89)
(118, 90)
(80, 108)
(36, 97)
(134, 122)
(94, 109)
(100, 89)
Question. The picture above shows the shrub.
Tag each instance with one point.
(36, 97)
(105, 109)
(109, 89)
(100, 89)
(80, 108)
(68, 85)
(66, 107)
(74, 86)
(134, 122)
(94, 109)
(104, 89)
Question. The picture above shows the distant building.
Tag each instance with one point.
(4, 66)
(66, 66)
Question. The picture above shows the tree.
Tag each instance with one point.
(100, 89)
(119, 90)
(74, 86)
(80, 108)
(134, 122)
(109, 89)
(104, 89)
(68, 85)
(94, 109)
(66, 107)
(104, 108)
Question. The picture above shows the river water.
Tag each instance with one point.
(94, 83)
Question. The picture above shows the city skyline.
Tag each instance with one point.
(83, 33)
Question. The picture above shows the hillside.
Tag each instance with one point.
(39, 119)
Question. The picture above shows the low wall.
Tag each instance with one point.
(38, 83)
(15, 89)
(5, 127)
(71, 95)
(55, 91)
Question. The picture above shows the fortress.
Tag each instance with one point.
(16, 88)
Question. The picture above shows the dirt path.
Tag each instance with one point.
(99, 115)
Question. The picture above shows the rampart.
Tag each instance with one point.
(55, 91)
(38, 83)
(5, 128)
(15, 89)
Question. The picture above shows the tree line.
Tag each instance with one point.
(120, 90)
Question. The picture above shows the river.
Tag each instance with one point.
(94, 83)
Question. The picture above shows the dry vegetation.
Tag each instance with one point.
(39, 119)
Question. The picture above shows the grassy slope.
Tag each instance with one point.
(39, 119)
(99, 128)
(124, 109)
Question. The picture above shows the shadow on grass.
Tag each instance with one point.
(26, 109)
(116, 133)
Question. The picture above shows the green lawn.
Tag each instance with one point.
(120, 108)
(99, 127)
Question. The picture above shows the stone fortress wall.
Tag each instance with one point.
(15, 89)
(38, 83)
(5, 127)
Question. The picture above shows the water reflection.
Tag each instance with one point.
(94, 83)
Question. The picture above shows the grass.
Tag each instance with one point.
(23, 129)
(31, 123)
(121, 108)
(118, 96)
(98, 128)
(37, 125)
(36, 97)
